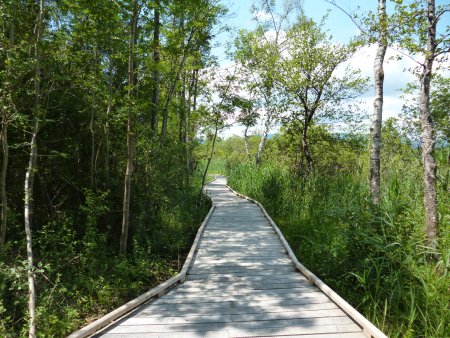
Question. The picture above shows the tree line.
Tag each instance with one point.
(99, 121)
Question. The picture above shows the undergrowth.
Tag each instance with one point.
(80, 277)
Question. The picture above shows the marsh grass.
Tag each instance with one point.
(374, 258)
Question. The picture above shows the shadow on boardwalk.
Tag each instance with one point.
(241, 283)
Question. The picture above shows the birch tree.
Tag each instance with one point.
(377, 116)
(307, 73)
(258, 52)
(30, 172)
(417, 33)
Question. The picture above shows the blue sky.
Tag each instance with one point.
(337, 24)
(342, 29)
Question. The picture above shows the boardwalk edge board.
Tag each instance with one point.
(157, 291)
(369, 329)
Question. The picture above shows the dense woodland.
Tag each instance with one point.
(111, 118)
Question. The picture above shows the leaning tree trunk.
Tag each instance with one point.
(427, 135)
(165, 111)
(130, 139)
(377, 116)
(216, 130)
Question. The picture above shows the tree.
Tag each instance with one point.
(422, 18)
(130, 137)
(257, 53)
(29, 176)
(377, 116)
(248, 117)
(307, 74)
(217, 114)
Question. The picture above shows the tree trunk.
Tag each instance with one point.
(377, 116)
(183, 118)
(305, 146)
(262, 142)
(28, 212)
(212, 150)
(156, 59)
(194, 103)
(29, 176)
(427, 135)
(4, 170)
(130, 138)
(246, 144)
(5, 147)
(91, 129)
(108, 113)
(173, 87)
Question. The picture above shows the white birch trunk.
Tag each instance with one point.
(28, 212)
(262, 142)
(427, 135)
(246, 143)
(377, 116)
(29, 176)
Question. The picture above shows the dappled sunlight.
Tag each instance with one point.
(241, 282)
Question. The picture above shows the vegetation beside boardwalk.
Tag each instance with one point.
(375, 259)
(79, 276)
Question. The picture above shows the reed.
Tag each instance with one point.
(375, 258)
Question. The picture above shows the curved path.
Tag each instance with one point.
(241, 283)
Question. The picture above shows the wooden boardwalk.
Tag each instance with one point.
(240, 283)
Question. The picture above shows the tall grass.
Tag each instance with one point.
(376, 259)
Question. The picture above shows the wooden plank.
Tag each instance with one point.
(168, 310)
(207, 262)
(223, 318)
(314, 325)
(277, 268)
(249, 274)
(312, 297)
(231, 294)
(291, 330)
(243, 287)
(204, 334)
